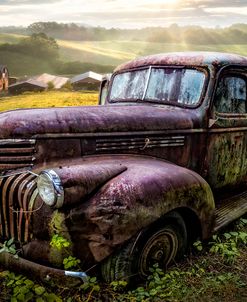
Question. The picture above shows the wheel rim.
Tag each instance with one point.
(161, 248)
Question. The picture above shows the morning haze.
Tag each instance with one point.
(125, 14)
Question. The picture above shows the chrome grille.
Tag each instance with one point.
(16, 153)
(140, 143)
(17, 194)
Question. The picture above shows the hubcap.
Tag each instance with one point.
(161, 248)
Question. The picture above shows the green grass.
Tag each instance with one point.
(48, 99)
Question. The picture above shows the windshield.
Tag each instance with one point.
(166, 85)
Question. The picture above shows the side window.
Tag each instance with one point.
(231, 95)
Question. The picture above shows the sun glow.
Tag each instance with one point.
(159, 2)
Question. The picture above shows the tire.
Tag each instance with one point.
(163, 242)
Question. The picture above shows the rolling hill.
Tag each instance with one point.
(116, 52)
(100, 52)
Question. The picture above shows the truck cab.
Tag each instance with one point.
(134, 181)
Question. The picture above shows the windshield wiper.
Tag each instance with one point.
(130, 100)
(116, 100)
(137, 100)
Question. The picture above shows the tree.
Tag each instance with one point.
(40, 45)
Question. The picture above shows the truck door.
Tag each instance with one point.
(226, 161)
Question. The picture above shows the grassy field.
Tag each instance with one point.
(108, 52)
(48, 99)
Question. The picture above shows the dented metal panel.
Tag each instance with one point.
(134, 199)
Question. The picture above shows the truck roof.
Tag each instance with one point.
(186, 58)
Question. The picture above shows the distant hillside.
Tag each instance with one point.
(102, 56)
(28, 55)
(116, 52)
(21, 64)
(10, 38)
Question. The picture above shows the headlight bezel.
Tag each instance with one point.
(54, 181)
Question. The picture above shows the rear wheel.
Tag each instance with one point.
(163, 242)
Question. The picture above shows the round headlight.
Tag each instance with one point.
(50, 188)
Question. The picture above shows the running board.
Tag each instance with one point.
(230, 209)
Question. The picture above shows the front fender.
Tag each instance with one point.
(83, 178)
(130, 201)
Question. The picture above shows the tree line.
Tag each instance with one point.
(234, 34)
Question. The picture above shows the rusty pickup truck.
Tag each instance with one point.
(134, 181)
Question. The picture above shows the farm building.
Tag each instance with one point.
(27, 85)
(4, 78)
(12, 80)
(46, 78)
(86, 81)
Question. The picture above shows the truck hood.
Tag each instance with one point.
(29, 123)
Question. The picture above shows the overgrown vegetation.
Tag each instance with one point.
(214, 271)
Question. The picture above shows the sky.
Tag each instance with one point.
(124, 13)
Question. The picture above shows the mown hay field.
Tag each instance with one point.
(49, 99)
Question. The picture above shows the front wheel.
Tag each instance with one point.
(163, 242)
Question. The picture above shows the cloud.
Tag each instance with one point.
(218, 3)
(26, 2)
(122, 13)
(145, 14)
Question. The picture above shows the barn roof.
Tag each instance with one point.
(87, 77)
(57, 81)
(30, 82)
